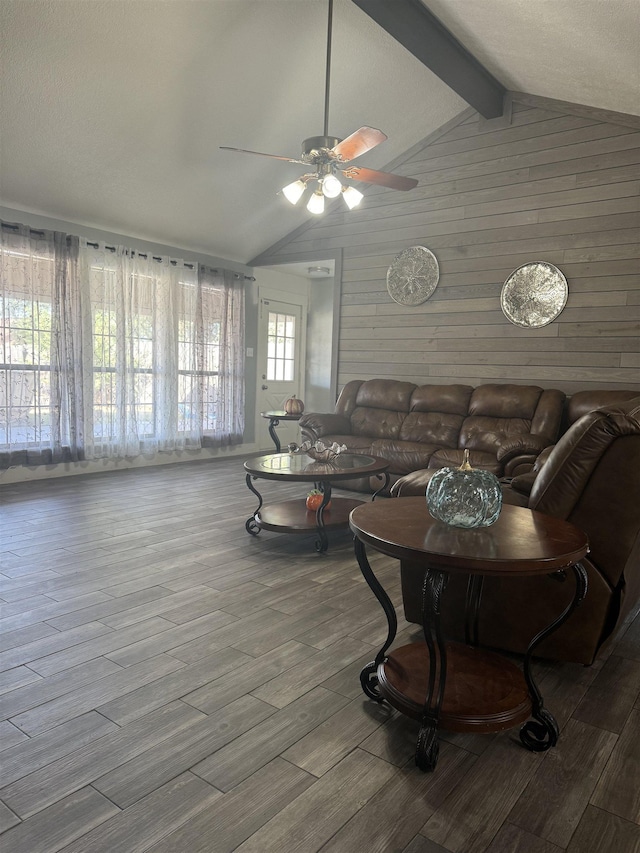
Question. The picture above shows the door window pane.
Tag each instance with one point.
(281, 341)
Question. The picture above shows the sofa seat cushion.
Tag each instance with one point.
(447, 458)
(404, 456)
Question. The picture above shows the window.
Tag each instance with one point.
(25, 358)
(105, 352)
(123, 343)
(199, 366)
(30, 412)
(281, 340)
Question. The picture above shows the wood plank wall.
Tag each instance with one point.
(551, 186)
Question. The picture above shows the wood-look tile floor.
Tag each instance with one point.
(169, 683)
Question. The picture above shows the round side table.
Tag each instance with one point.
(274, 419)
(459, 686)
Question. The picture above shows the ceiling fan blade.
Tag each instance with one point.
(260, 154)
(358, 143)
(383, 179)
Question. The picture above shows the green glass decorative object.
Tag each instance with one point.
(464, 496)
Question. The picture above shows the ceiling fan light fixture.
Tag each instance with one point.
(352, 197)
(326, 157)
(331, 186)
(294, 192)
(316, 203)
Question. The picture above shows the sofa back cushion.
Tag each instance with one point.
(583, 402)
(452, 416)
(381, 406)
(432, 428)
(385, 394)
(498, 410)
(505, 401)
(437, 413)
(488, 434)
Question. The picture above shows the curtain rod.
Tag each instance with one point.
(10, 226)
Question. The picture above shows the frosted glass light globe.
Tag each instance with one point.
(331, 186)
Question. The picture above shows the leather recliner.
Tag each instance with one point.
(581, 403)
(592, 479)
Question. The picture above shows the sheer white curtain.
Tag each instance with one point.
(220, 350)
(107, 352)
(168, 345)
(135, 316)
(41, 343)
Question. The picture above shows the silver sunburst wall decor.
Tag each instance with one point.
(413, 276)
(534, 295)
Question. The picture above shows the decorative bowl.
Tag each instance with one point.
(321, 452)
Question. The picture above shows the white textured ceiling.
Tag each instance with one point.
(112, 111)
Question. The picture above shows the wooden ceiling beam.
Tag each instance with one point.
(423, 35)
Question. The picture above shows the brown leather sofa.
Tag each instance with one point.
(412, 426)
(592, 479)
(523, 472)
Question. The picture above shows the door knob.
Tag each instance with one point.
(264, 387)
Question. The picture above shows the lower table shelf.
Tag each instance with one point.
(484, 691)
(294, 517)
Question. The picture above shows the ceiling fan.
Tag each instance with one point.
(331, 158)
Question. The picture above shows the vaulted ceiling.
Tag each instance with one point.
(112, 111)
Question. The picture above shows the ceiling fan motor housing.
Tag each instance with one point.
(314, 146)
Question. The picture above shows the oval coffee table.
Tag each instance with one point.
(292, 516)
(459, 686)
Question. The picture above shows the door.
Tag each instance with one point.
(281, 335)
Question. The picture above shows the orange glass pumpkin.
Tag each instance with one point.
(294, 406)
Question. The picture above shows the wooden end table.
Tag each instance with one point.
(274, 419)
(459, 686)
(292, 516)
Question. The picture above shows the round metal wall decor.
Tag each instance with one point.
(534, 295)
(413, 276)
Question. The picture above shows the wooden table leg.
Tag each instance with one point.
(322, 542)
(273, 423)
(369, 673)
(251, 525)
(427, 747)
(542, 732)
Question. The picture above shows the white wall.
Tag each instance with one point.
(319, 395)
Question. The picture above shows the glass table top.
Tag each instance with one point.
(299, 465)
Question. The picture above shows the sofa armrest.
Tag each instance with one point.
(314, 425)
(519, 465)
(523, 483)
(521, 445)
